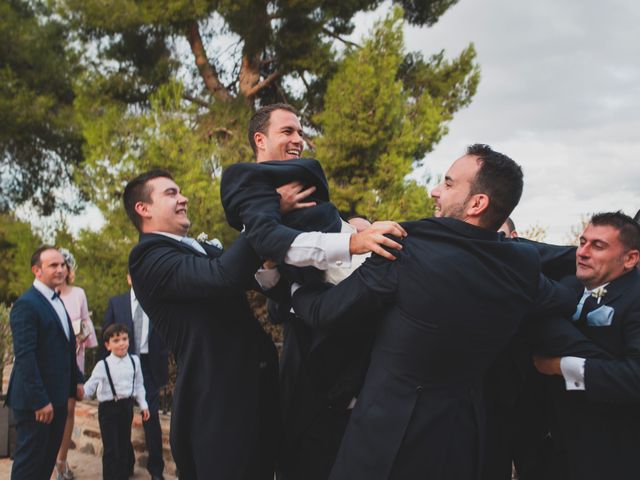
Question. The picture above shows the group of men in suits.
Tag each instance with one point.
(382, 375)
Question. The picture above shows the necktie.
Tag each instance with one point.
(137, 328)
(55, 295)
(586, 304)
(193, 243)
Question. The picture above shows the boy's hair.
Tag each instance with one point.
(113, 330)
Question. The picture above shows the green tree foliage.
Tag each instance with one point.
(17, 244)
(384, 110)
(39, 142)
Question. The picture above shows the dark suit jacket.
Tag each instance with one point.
(45, 369)
(119, 311)
(456, 295)
(249, 198)
(227, 365)
(599, 428)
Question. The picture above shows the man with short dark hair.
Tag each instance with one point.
(224, 422)
(597, 407)
(452, 300)
(45, 373)
(509, 229)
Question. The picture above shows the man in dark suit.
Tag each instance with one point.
(224, 422)
(154, 361)
(597, 401)
(321, 372)
(45, 373)
(450, 303)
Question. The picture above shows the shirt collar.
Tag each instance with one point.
(43, 289)
(171, 235)
(586, 290)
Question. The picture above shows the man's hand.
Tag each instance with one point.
(79, 392)
(373, 239)
(291, 196)
(145, 415)
(547, 365)
(45, 414)
(269, 264)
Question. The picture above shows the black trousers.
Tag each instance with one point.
(37, 444)
(115, 427)
(152, 429)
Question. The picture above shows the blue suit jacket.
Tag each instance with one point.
(45, 369)
(119, 311)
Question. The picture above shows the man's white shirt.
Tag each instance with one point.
(56, 303)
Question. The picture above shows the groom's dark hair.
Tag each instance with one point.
(501, 179)
(137, 190)
(628, 228)
(260, 121)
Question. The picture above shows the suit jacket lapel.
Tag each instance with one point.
(618, 286)
(144, 237)
(54, 314)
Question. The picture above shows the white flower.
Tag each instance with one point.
(598, 293)
(202, 237)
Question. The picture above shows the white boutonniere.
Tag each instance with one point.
(598, 293)
(202, 237)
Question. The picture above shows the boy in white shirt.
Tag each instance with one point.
(117, 380)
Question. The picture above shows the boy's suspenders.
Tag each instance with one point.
(113, 388)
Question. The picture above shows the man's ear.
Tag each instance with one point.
(631, 259)
(477, 205)
(142, 209)
(259, 139)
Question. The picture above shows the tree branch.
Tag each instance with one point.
(196, 100)
(207, 72)
(326, 31)
(263, 84)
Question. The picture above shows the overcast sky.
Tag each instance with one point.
(559, 93)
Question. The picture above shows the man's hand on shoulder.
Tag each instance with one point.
(373, 239)
(45, 414)
(292, 196)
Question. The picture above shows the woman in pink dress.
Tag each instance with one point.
(75, 301)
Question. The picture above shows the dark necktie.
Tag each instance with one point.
(589, 305)
(137, 328)
(55, 295)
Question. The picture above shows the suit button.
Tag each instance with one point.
(419, 388)
(339, 263)
(577, 384)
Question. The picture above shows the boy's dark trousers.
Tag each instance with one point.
(115, 427)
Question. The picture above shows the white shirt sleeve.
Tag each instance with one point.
(573, 372)
(98, 375)
(319, 250)
(138, 389)
(267, 278)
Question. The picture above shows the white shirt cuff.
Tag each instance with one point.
(319, 250)
(267, 278)
(573, 372)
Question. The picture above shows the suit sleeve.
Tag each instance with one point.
(369, 288)
(24, 328)
(166, 272)
(617, 380)
(109, 319)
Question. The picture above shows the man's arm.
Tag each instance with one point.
(24, 328)
(169, 273)
(366, 290)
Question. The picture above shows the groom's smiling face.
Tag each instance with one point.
(283, 138)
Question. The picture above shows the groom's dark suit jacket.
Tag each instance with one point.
(456, 295)
(224, 422)
(598, 430)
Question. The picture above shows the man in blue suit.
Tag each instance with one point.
(154, 357)
(45, 373)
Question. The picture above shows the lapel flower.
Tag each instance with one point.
(202, 237)
(598, 293)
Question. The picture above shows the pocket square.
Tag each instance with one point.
(600, 317)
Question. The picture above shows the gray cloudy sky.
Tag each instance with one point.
(559, 93)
